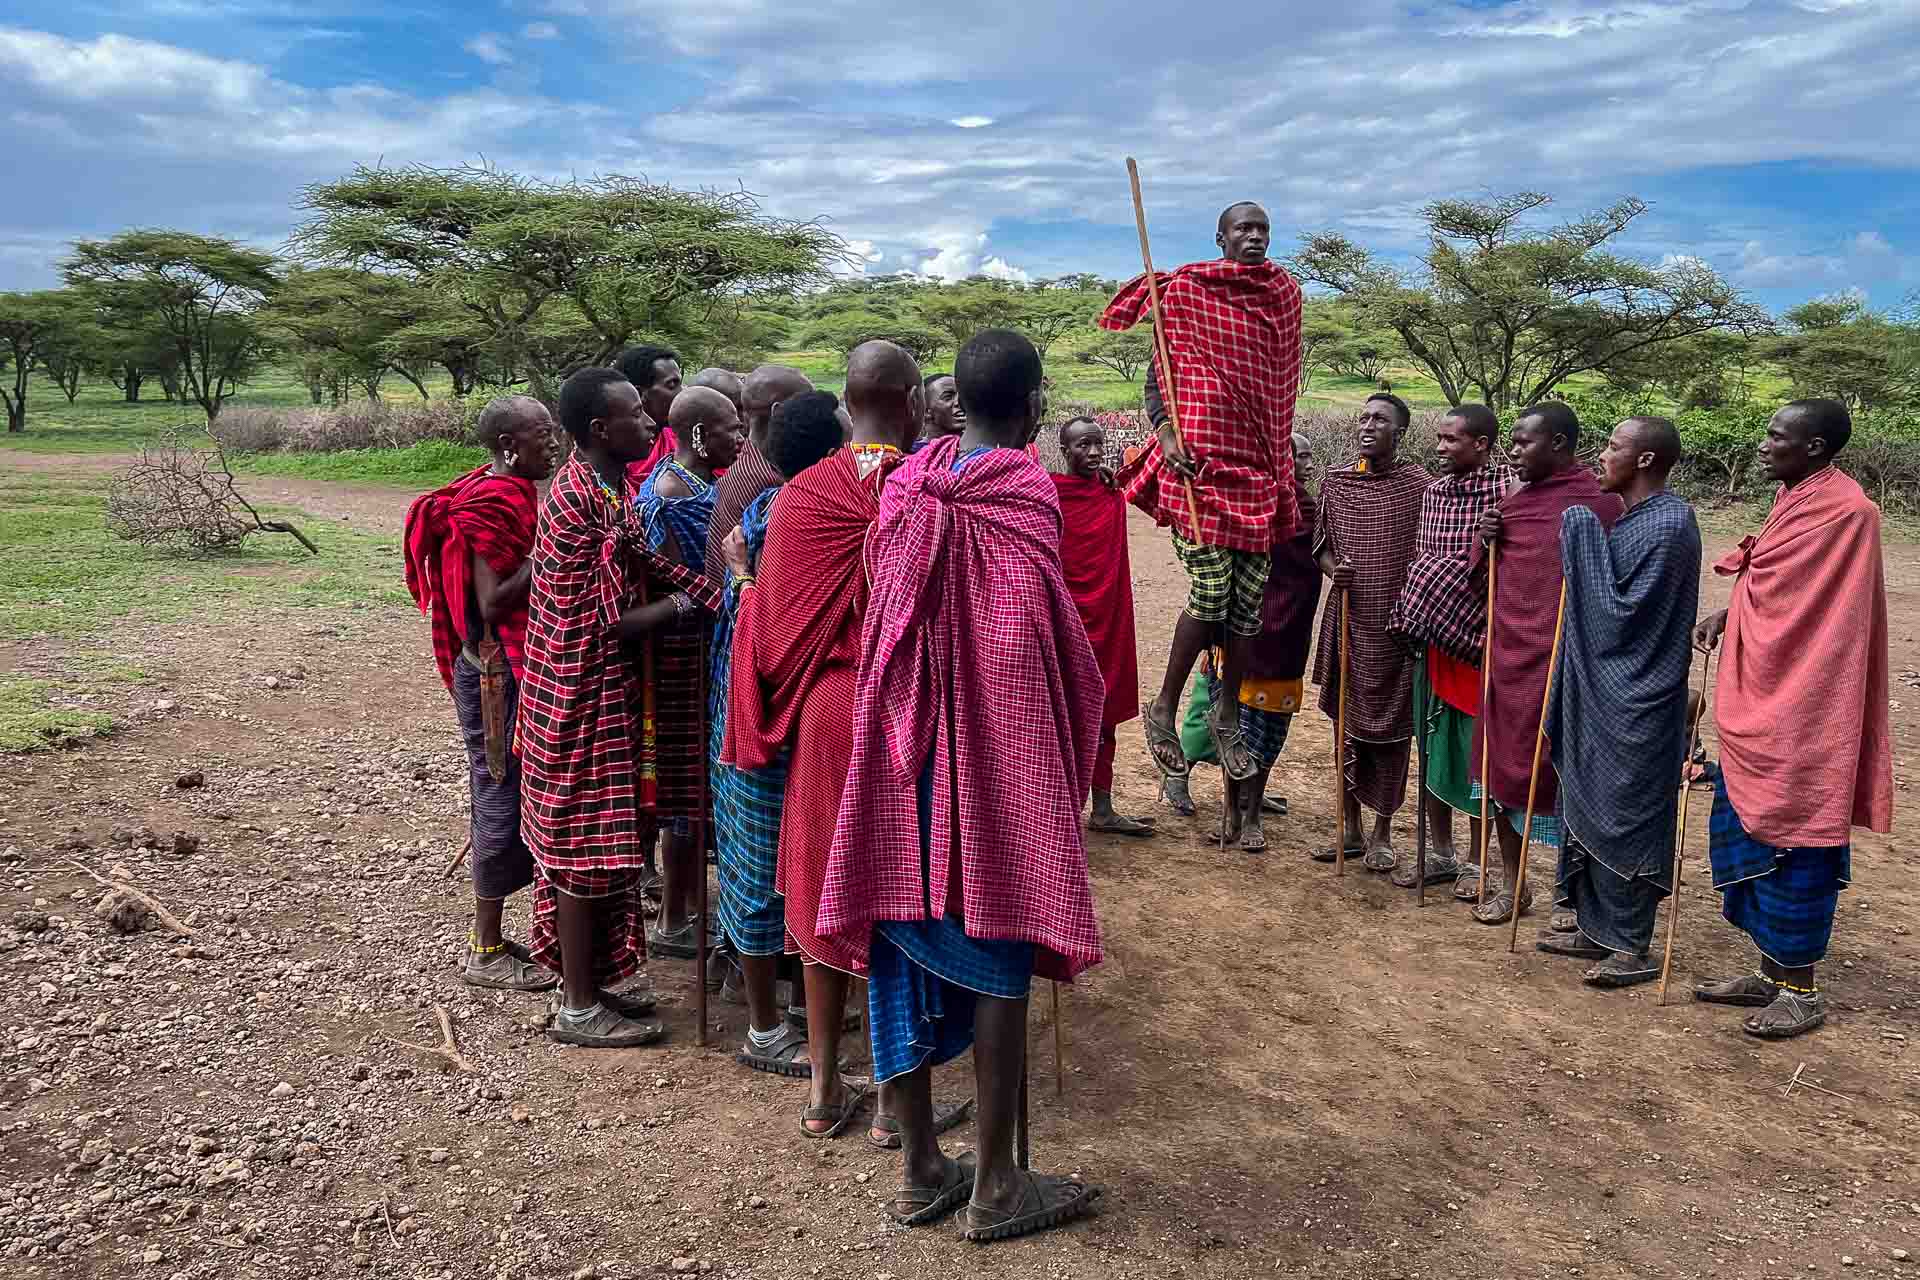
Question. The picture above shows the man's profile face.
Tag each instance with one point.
(1787, 451)
(666, 385)
(1619, 459)
(622, 427)
(1245, 237)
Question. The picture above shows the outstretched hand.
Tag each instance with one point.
(1707, 632)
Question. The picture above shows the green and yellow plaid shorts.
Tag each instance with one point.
(1226, 585)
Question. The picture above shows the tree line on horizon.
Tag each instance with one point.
(501, 281)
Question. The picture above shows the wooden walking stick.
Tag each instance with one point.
(1059, 1050)
(1420, 808)
(1533, 778)
(1022, 1145)
(700, 860)
(1340, 747)
(1486, 729)
(1160, 339)
(1680, 843)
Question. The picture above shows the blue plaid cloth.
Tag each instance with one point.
(685, 518)
(1616, 911)
(923, 975)
(1784, 899)
(1265, 732)
(746, 802)
(1546, 827)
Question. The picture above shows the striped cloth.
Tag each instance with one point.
(1373, 520)
(676, 529)
(1784, 899)
(1233, 334)
(1439, 604)
(922, 982)
(747, 803)
(749, 476)
(501, 864)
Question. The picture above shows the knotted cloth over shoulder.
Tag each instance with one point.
(479, 514)
(1233, 335)
(1801, 699)
(974, 663)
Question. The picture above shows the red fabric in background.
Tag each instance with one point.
(663, 446)
(1801, 698)
(1093, 554)
(1454, 682)
(1233, 335)
(478, 514)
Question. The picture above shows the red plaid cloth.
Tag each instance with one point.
(795, 650)
(1440, 605)
(480, 513)
(619, 927)
(587, 784)
(1233, 334)
(1372, 520)
(973, 659)
(1094, 554)
(1526, 603)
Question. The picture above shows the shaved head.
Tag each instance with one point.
(725, 381)
(504, 415)
(880, 369)
(761, 391)
(1658, 437)
(699, 406)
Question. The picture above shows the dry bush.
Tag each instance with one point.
(180, 498)
(360, 424)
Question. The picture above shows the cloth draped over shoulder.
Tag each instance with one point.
(676, 529)
(1233, 336)
(1617, 722)
(749, 476)
(1801, 698)
(1292, 596)
(677, 525)
(1093, 548)
(1526, 600)
(1440, 605)
(587, 783)
(479, 514)
(795, 650)
(1371, 519)
(974, 664)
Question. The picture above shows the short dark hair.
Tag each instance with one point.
(1480, 421)
(1075, 421)
(995, 372)
(1657, 436)
(926, 383)
(1227, 212)
(583, 397)
(1825, 418)
(1558, 417)
(1399, 406)
(803, 430)
(641, 364)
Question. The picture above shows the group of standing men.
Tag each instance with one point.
(880, 653)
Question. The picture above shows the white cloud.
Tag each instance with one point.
(971, 122)
(1871, 242)
(540, 31)
(489, 48)
(1001, 269)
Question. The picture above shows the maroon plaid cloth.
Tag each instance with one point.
(1526, 604)
(974, 665)
(1373, 520)
(749, 476)
(587, 783)
(1233, 334)
(1440, 605)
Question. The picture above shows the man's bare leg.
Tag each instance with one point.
(1191, 637)
(573, 925)
(910, 1098)
(999, 1057)
(757, 975)
(680, 864)
(826, 1010)
(1249, 801)
(1237, 651)
(1511, 848)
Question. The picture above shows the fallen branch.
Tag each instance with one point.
(448, 1049)
(458, 858)
(1798, 1073)
(145, 899)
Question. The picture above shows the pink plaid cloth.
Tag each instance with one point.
(973, 657)
(1233, 334)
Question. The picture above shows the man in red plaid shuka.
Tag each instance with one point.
(1232, 330)
(588, 802)
(958, 870)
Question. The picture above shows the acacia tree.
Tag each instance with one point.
(1511, 313)
(1837, 347)
(30, 324)
(1126, 353)
(75, 349)
(621, 251)
(1045, 315)
(960, 311)
(842, 331)
(205, 293)
(341, 321)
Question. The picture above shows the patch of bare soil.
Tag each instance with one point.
(1277, 1072)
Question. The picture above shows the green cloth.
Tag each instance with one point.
(1196, 741)
(1449, 743)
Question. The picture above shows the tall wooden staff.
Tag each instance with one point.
(1420, 810)
(1533, 778)
(1340, 748)
(1486, 729)
(1160, 339)
(700, 863)
(1059, 1048)
(1680, 844)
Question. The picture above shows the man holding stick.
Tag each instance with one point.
(1618, 716)
(1524, 530)
(1369, 525)
(1801, 704)
(1220, 468)
(1443, 618)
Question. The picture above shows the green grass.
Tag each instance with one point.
(29, 722)
(67, 576)
(426, 465)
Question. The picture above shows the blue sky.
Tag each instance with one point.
(1775, 139)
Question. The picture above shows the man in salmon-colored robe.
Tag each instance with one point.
(1801, 703)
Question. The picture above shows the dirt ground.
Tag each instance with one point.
(1276, 1072)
